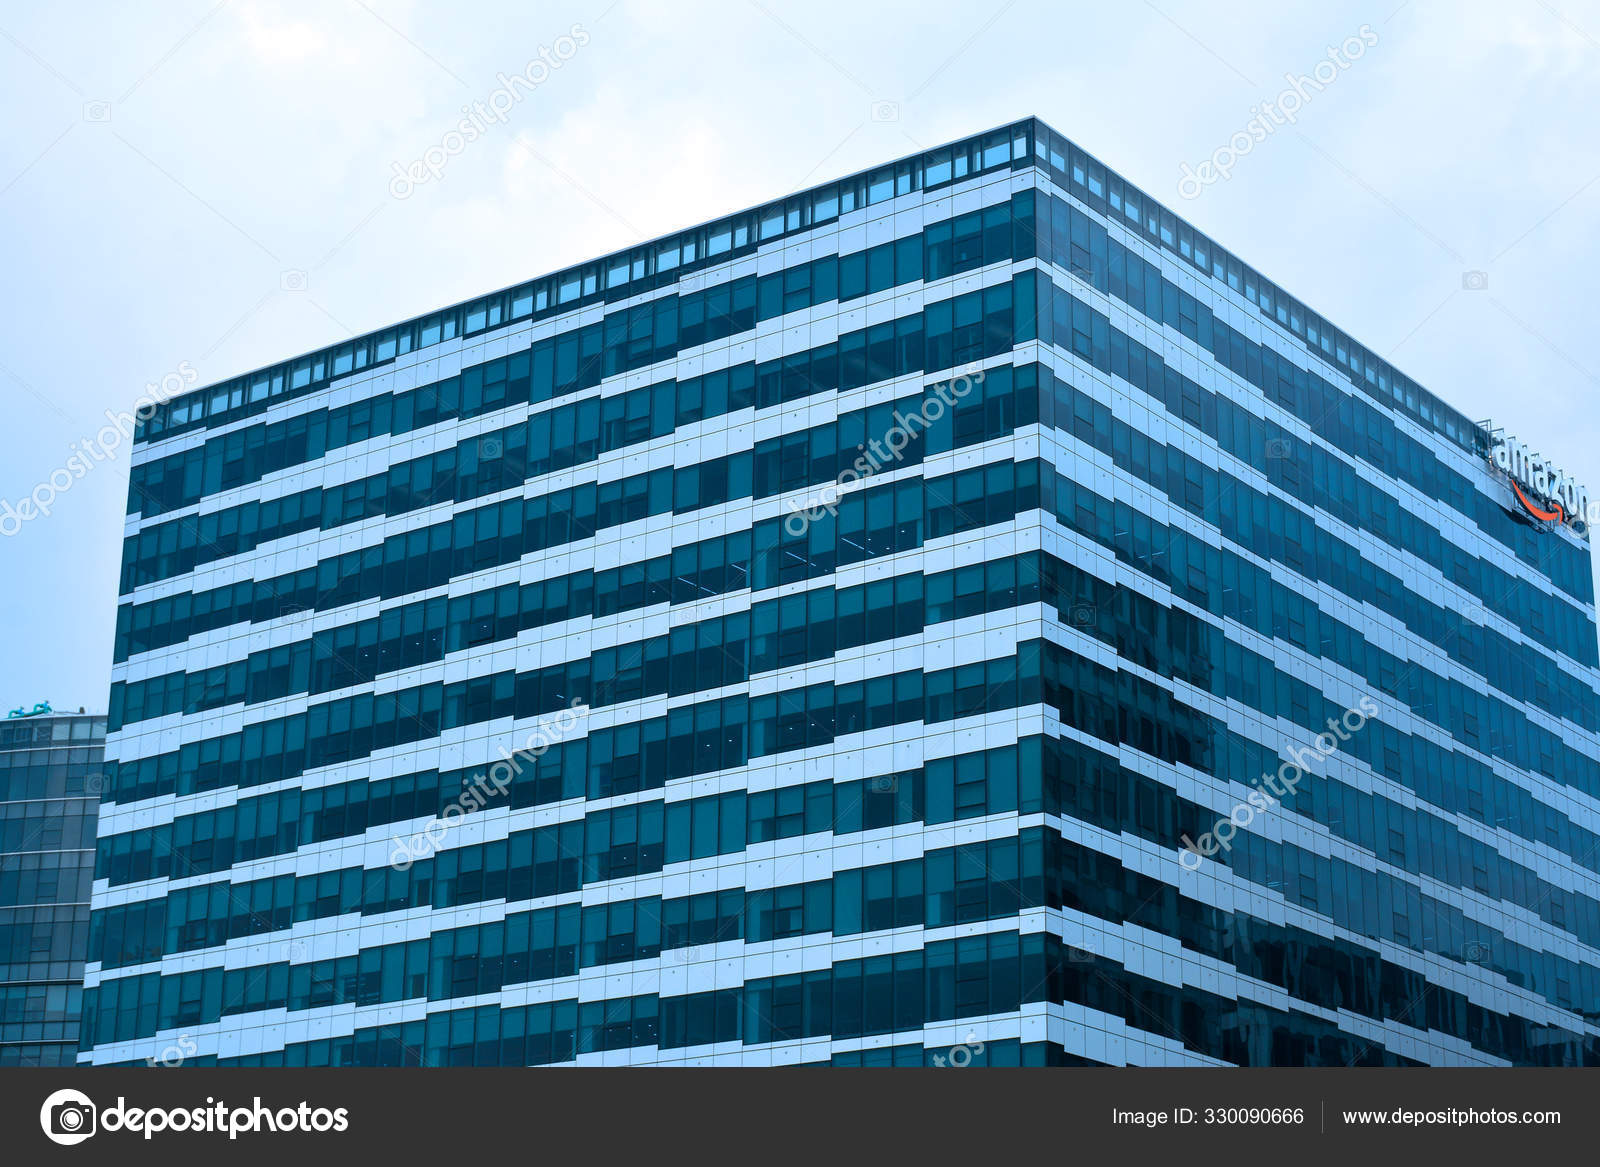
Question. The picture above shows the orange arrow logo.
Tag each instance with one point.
(1556, 516)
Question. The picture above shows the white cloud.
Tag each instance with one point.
(279, 39)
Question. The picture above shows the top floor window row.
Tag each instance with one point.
(613, 277)
(1124, 204)
(641, 269)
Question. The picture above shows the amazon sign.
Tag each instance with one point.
(1544, 492)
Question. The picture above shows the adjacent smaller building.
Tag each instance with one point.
(51, 768)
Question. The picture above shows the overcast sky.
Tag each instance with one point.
(208, 186)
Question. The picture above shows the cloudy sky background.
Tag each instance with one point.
(167, 169)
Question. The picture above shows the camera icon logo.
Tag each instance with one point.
(886, 111)
(883, 784)
(68, 1117)
(294, 280)
(1474, 281)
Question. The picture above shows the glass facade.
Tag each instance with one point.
(955, 615)
(51, 772)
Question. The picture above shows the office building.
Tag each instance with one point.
(954, 615)
(50, 776)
